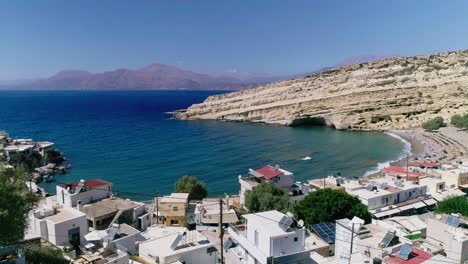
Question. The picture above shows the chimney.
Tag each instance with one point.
(78, 205)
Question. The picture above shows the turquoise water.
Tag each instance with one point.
(126, 138)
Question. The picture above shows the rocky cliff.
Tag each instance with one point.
(387, 94)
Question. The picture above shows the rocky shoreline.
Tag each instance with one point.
(398, 93)
(40, 158)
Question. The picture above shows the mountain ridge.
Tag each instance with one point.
(393, 93)
(154, 76)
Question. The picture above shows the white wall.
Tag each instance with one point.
(128, 242)
(455, 249)
(286, 245)
(285, 180)
(58, 232)
(67, 199)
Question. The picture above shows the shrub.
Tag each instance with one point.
(265, 197)
(433, 124)
(460, 121)
(456, 204)
(40, 255)
(328, 205)
(196, 189)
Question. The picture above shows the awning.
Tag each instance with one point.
(387, 213)
(430, 202)
(406, 207)
(419, 205)
(95, 235)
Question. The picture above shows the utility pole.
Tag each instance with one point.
(352, 240)
(407, 156)
(221, 231)
(157, 208)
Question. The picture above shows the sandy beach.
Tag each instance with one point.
(446, 145)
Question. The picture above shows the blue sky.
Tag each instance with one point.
(39, 38)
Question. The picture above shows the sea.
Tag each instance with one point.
(128, 138)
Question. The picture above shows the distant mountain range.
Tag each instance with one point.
(154, 76)
(159, 77)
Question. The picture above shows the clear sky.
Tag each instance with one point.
(39, 38)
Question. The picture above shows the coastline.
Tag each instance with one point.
(441, 146)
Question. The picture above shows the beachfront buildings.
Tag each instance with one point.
(61, 226)
(278, 176)
(85, 191)
(270, 237)
(176, 245)
(173, 209)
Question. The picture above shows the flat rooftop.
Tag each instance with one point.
(175, 198)
(64, 214)
(107, 207)
(162, 246)
(268, 221)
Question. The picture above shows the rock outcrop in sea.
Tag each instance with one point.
(395, 93)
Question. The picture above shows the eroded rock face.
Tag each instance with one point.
(388, 94)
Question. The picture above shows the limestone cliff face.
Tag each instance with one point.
(387, 94)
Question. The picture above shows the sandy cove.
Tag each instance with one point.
(449, 144)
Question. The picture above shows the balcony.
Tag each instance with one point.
(239, 234)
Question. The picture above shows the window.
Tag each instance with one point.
(296, 239)
(175, 208)
(256, 237)
(174, 222)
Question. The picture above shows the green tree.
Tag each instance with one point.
(456, 204)
(460, 121)
(36, 254)
(433, 124)
(196, 189)
(265, 197)
(16, 201)
(328, 205)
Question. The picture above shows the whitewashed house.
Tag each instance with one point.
(86, 191)
(278, 176)
(177, 245)
(270, 237)
(61, 226)
(447, 231)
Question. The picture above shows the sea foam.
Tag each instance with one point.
(404, 152)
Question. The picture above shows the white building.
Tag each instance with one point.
(280, 177)
(372, 241)
(268, 237)
(86, 191)
(445, 231)
(61, 226)
(207, 212)
(177, 245)
(384, 196)
(438, 190)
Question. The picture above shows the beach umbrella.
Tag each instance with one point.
(95, 235)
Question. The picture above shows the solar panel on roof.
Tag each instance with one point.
(285, 222)
(326, 231)
(369, 187)
(383, 186)
(405, 251)
(453, 221)
(387, 239)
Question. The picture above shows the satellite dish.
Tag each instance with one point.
(300, 223)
